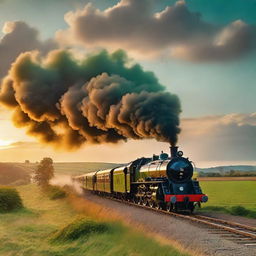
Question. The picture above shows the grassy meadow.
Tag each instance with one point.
(227, 195)
(48, 227)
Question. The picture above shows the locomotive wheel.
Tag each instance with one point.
(135, 200)
(169, 207)
(145, 202)
(158, 206)
(151, 204)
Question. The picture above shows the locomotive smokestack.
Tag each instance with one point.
(174, 151)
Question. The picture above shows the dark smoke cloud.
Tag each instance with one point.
(18, 38)
(173, 32)
(102, 98)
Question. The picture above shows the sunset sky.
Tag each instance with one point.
(202, 51)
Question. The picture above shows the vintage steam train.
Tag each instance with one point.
(161, 182)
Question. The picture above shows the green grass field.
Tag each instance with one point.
(27, 232)
(227, 194)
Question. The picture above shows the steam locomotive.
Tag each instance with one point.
(162, 182)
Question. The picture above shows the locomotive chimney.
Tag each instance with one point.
(174, 151)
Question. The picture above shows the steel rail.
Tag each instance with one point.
(235, 224)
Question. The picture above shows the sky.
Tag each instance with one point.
(202, 51)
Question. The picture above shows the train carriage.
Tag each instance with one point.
(121, 180)
(89, 181)
(104, 181)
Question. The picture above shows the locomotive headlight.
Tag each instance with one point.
(181, 188)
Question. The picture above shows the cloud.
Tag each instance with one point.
(175, 32)
(25, 144)
(231, 42)
(227, 137)
(102, 98)
(18, 38)
(20, 145)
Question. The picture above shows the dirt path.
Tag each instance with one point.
(190, 236)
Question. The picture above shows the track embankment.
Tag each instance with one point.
(191, 235)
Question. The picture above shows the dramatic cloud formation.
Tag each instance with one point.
(174, 32)
(18, 38)
(102, 98)
(228, 137)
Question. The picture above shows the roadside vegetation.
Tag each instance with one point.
(233, 197)
(55, 228)
(56, 192)
(9, 200)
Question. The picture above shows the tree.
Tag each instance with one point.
(44, 172)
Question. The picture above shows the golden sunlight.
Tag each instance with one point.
(5, 143)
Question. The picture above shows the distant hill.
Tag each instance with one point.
(241, 168)
(83, 167)
(73, 168)
(12, 174)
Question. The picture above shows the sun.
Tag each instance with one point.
(5, 143)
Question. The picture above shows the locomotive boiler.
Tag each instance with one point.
(162, 182)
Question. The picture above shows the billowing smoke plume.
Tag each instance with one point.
(20, 37)
(66, 102)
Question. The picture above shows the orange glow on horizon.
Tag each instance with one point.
(5, 143)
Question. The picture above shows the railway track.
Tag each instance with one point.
(236, 232)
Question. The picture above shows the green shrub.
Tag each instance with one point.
(214, 208)
(239, 210)
(234, 210)
(56, 192)
(79, 228)
(252, 214)
(9, 199)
